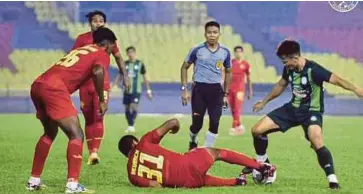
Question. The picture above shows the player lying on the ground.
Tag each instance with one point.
(305, 108)
(51, 95)
(150, 165)
(94, 127)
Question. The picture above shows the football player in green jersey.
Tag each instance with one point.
(305, 109)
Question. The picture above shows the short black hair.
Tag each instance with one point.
(238, 47)
(212, 23)
(130, 48)
(96, 12)
(102, 34)
(288, 48)
(125, 144)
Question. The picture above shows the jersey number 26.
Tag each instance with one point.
(138, 165)
(73, 57)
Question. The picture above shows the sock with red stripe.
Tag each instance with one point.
(41, 152)
(74, 159)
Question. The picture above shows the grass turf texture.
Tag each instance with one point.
(298, 169)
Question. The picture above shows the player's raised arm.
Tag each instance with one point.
(157, 134)
(171, 126)
(338, 81)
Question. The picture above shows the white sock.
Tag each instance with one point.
(210, 139)
(261, 158)
(72, 185)
(34, 180)
(332, 178)
(193, 137)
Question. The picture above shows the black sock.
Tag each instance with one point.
(134, 115)
(260, 143)
(129, 118)
(325, 160)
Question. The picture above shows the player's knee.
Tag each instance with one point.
(316, 142)
(256, 131)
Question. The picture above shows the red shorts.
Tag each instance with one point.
(199, 161)
(90, 104)
(54, 103)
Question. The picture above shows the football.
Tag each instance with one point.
(259, 179)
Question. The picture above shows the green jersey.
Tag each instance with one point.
(307, 86)
(135, 70)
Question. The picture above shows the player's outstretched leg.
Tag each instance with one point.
(233, 157)
(71, 127)
(325, 158)
(41, 153)
(260, 139)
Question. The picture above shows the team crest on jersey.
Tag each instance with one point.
(240, 95)
(343, 6)
(136, 67)
(313, 118)
(242, 67)
(304, 80)
(219, 64)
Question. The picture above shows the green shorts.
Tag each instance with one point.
(288, 116)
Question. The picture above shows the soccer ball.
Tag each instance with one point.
(258, 178)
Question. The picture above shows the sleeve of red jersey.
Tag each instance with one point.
(116, 49)
(152, 137)
(78, 43)
(139, 181)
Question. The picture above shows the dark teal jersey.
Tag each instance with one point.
(307, 86)
(135, 70)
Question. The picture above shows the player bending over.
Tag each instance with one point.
(305, 108)
(94, 128)
(150, 165)
(240, 73)
(50, 93)
(131, 98)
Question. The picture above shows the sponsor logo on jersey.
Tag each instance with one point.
(304, 80)
(299, 92)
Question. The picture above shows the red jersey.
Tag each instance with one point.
(71, 71)
(86, 39)
(239, 72)
(149, 161)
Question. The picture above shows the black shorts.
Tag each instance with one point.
(207, 97)
(288, 116)
(131, 98)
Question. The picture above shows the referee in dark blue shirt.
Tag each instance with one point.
(209, 59)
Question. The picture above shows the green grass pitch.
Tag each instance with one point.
(298, 169)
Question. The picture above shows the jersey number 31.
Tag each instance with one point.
(73, 57)
(138, 165)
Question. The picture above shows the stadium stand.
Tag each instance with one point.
(163, 32)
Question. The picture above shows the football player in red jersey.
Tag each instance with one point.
(50, 93)
(89, 100)
(240, 73)
(150, 165)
